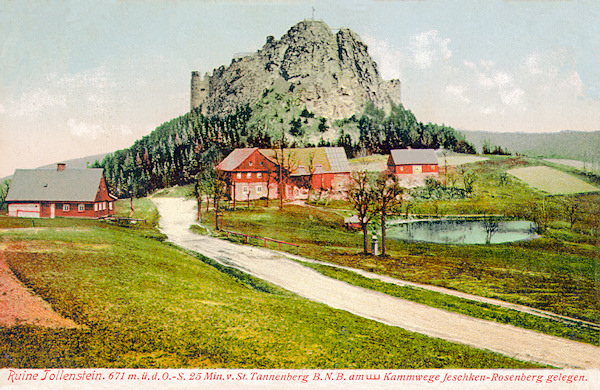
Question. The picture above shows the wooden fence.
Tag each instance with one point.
(263, 239)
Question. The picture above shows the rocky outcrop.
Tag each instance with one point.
(331, 74)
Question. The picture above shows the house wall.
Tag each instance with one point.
(44, 209)
(255, 190)
(409, 169)
(25, 210)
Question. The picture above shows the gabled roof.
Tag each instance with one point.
(328, 160)
(235, 159)
(414, 156)
(78, 185)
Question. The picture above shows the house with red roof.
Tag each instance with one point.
(60, 192)
(255, 172)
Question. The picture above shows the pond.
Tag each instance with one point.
(453, 231)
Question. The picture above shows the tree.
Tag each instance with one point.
(491, 226)
(386, 194)
(571, 208)
(361, 196)
(323, 125)
(219, 184)
(4, 192)
(285, 165)
(468, 180)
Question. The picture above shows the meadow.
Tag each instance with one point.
(552, 181)
(555, 272)
(141, 302)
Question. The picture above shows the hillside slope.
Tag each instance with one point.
(577, 145)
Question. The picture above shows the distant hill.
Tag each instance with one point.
(76, 163)
(575, 145)
(79, 163)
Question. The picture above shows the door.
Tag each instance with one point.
(52, 210)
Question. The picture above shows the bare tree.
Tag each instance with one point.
(387, 193)
(491, 226)
(286, 164)
(219, 186)
(361, 196)
(571, 208)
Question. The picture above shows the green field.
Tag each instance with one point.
(552, 181)
(145, 303)
(556, 272)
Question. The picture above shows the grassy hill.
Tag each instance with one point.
(145, 303)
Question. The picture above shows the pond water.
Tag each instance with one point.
(450, 231)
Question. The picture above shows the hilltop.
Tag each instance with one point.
(332, 75)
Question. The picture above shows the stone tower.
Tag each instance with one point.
(199, 90)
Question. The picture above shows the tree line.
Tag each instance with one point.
(180, 151)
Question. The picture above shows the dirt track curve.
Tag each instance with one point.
(178, 214)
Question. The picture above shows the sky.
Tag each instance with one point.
(85, 77)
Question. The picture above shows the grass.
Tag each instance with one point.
(145, 303)
(465, 306)
(176, 192)
(552, 181)
(556, 272)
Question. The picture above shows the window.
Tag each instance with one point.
(239, 175)
(259, 175)
(259, 190)
(250, 163)
(104, 206)
(245, 190)
(81, 208)
(95, 206)
(248, 175)
(110, 205)
(66, 207)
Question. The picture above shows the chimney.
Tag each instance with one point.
(61, 166)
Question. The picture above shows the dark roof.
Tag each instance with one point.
(329, 159)
(80, 185)
(235, 159)
(414, 156)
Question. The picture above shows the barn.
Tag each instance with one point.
(413, 162)
(60, 192)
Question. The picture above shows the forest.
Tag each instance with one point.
(179, 151)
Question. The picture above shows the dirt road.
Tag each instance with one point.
(178, 214)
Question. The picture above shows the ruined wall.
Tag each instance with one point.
(199, 90)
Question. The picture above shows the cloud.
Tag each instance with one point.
(387, 58)
(36, 101)
(90, 91)
(428, 47)
(84, 130)
(458, 91)
(2, 109)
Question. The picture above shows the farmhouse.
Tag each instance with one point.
(421, 162)
(251, 174)
(49, 193)
(254, 172)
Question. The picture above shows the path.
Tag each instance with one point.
(178, 214)
(18, 304)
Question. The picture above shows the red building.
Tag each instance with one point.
(255, 173)
(413, 162)
(49, 193)
(252, 175)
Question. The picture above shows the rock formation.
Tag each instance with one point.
(331, 74)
